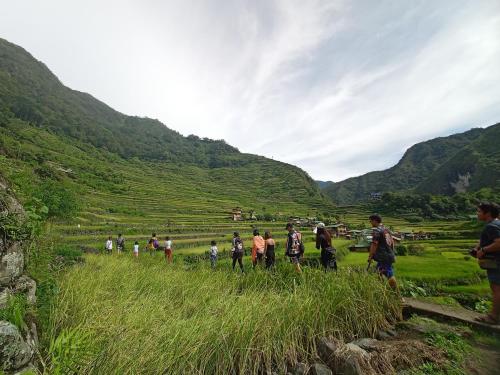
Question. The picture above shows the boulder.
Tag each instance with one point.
(326, 350)
(4, 298)
(300, 369)
(353, 360)
(383, 335)
(319, 369)
(14, 352)
(11, 264)
(24, 284)
(367, 344)
(28, 370)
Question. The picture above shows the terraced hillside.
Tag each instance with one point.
(127, 174)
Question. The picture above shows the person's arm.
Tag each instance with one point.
(373, 245)
(490, 249)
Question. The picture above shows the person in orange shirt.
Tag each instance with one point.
(257, 248)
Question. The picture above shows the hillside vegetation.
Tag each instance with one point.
(101, 167)
(459, 163)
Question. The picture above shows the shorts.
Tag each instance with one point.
(168, 252)
(295, 258)
(385, 269)
(494, 276)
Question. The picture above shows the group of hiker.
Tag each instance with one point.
(381, 251)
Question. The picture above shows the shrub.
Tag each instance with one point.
(416, 249)
(401, 250)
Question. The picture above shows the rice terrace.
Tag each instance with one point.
(127, 247)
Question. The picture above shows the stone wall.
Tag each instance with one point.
(17, 346)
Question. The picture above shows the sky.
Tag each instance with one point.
(338, 88)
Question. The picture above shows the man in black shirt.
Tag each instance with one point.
(488, 255)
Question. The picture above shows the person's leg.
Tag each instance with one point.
(171, 256)
(392, 283)
(495, 311)
(240, 261)
(234, 262)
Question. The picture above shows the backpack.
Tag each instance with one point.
(385, 250)
(238, 245)
(156, 244)
(297, 245)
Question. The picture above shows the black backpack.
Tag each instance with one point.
(385, 252)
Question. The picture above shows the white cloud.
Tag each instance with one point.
(338, 88)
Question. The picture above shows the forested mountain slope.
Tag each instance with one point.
(445, 165)
(50, 134)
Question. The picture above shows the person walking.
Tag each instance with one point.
(294, 246)
(213, 254)
(237, 251)
(151, 247)
(156, 244)
(136, 249)
(109, 245)
(120, 244)
(258, 246)
(269, 247)
(488, 254)
(168, 249)
(382, 250)
(324, 242)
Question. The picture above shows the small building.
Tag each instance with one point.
(237, 214)
(376, 196)
(338, 230)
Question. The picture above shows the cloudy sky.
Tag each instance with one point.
(338, 88)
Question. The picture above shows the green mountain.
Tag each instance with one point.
(461, 162)
(52, 137)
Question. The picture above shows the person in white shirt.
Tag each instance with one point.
(213, 253)
(168, 249)
(109, 245)
(136, 249)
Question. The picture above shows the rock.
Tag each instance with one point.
(300, 369)
(11, 264)
(26, 285)
(367, 344)
(14, 352)
(353, 360)
(319, 369)
(392, 332)
(382, 335)
(28, 370)
(326, 350)
(4, 298)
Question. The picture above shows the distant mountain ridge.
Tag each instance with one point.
(460, 162)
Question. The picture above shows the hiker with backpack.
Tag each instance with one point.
(156, 244)
(258, 246)
(488, 254)
(237, 250)
(328, 252)
(109, 245)
(294, 246)
(120, 244)
(382, 250)
(168, 249)
(269, 246)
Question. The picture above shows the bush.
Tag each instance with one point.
(401, 250)
(415, 249)
(60, 201)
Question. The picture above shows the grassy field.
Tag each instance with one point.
(141, 316)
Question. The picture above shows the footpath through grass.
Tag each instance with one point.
(142, 316)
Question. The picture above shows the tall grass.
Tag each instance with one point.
(142, 316)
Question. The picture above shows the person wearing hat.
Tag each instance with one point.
(324, 242)
(237, 251)
(294, 246)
